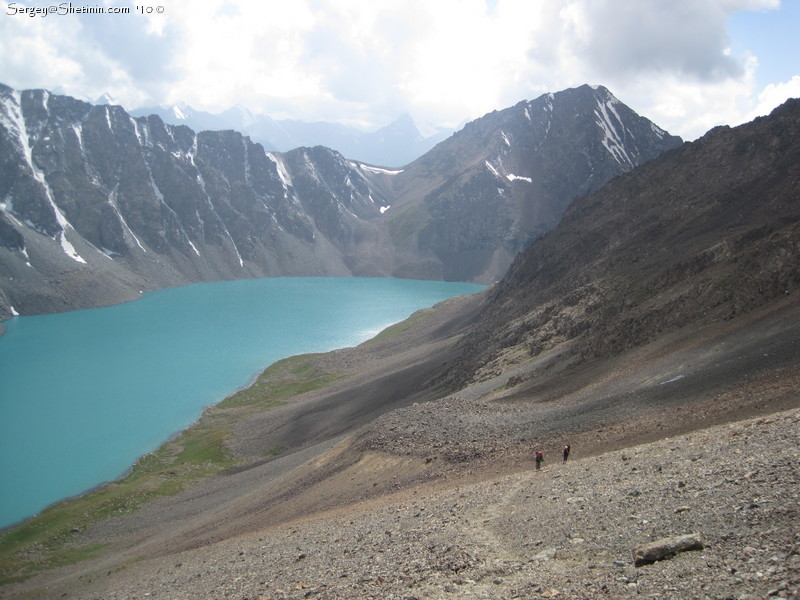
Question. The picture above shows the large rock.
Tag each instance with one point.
(646, 554)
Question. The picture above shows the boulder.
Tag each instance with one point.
(645, 554)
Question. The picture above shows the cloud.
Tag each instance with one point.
(367, 62)
(625, 38)
(775, 94)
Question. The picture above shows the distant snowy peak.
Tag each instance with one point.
(395, 145)
(106, 99)
(181, 111)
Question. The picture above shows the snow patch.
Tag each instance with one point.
(512, 177)
(246, 161)
(155, 189)
(108, 118)
(238, 256)
(505, 138)
(492, 168)
(142, 135)
(282, 172)
(612, 140)
(78, 129)
(17, 120)
(377, 169)
(67, 247)
(383, 209)
(657, 130)
(112, 200)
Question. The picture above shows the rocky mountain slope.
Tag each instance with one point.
(707, 232)
(97, 206)
(567, 531)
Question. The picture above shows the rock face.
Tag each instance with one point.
(705, 233)
(97, 206)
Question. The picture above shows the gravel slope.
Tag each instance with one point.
(566, 531)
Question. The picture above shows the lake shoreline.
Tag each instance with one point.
(239, 366)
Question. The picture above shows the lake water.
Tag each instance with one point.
(83, 394)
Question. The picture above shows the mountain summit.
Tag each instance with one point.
(485, 193)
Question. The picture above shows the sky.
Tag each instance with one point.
(688, 65)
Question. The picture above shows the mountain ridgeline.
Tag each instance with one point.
(97, 206)
(398, 143)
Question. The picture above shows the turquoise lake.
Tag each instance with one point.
(83, 394)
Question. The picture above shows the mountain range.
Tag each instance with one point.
(98, 206)
(396, 144)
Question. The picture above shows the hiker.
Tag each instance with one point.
(539, 459)
(566, 453)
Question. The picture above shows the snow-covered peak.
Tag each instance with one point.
(106, 99)
(180, 111)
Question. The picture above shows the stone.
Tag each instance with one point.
(645, 554)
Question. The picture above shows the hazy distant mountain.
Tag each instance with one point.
(96, 205)
(397, 144)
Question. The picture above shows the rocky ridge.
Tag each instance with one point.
(397, 144)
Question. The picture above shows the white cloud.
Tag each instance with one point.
(367, 62)
(774, 95)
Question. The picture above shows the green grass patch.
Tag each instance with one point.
(283, 380)
(398, 329)
(403, 226)
(274, 451)
(49, 539)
